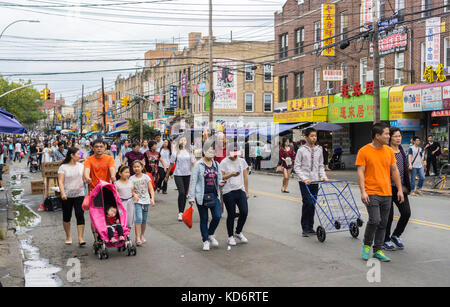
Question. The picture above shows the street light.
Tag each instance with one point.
(22, 20)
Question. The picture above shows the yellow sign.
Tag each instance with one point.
(396, 105)
(319, 115)
(428, 74)
(180, 112)
(309, 103)
(328, 28)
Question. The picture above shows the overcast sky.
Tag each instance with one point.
(107, 29)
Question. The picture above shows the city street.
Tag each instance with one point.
(276, 255)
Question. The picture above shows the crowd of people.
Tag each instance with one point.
(386, 172)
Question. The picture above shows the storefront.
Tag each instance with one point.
(411, 124)
(433, 99)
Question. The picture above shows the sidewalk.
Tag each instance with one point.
(351, 176)
(11, 266)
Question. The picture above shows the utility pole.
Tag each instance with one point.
(104, 111)
(81, 115)
(211, 74)
(376, 66)
(141, 119)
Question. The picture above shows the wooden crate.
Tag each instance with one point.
(37, 187)
(50, 169)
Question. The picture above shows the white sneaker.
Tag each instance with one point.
(213, 241)
(2, 188)
(180, 216)
(241, 237)
(231, 241)
(206, 245)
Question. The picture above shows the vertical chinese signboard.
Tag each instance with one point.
(225, 86)
(366, 14)
(183, 90)
(433, 42)
(328, 28)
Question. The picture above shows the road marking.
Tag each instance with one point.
(298, 200)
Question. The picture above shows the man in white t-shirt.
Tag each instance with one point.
(235, 193)
(415, 158)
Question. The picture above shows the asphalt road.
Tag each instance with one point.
(276, 254)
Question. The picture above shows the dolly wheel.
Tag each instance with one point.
(321, 234)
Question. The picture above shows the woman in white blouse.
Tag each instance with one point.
(183, 160)
(70, 180)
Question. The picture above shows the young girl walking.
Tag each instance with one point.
(143, 195)
(125, 188)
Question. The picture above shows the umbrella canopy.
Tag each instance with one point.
(326, 126)
(8, 124)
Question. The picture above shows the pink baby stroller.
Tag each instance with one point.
(104, 195)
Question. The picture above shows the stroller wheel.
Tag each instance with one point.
(133, 250)
(337, 225)
(129, 251)
(95, 249)
(100, 255)
(354, 230)
(105, 254)
(321, 234)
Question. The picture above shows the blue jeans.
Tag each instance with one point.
(231, 199)
(141, 214)
(216, 215)
(421, 173)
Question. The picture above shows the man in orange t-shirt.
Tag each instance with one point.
(99, 166)
(376, 164)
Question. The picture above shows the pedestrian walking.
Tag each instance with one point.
(248, 158)
(309, 169)
(183, 161)
(204, 191)
(235, 193)
(18, 152)
(159, 142)
(70, 181)
(125, 189)
(114, 150)
(99, 166)
(403, 208)
(416, 166)
(144, 147)
(132, 156)
(163, 165)
(376, 164)
(143, 196)
(433, 150)
(287, 157)
(60, 153)
(325, 156)
(258, 159)
(123, 151)
(151, 159)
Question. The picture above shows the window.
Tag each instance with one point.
(316, 81)
(283, 88)
(249, 72)
(344, 25)
(299, 40)
(447, 6)
(400, 7)
(249, 102)
(399, 67)
(381, 71)
(284, 45)
(299, 85)
(446, 53)
(317, 34)
(426, 5)
(363, 72)
(381, 8)
(268, 72)
(329, 83)
(268, 102)
(344, 74)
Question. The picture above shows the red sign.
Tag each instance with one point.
(344, 91)
(357, 89)
(440, 113)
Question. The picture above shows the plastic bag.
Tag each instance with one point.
(187, 216)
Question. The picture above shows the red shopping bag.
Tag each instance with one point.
(187, 216)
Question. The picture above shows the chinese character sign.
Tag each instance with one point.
(412, 101)
(308, 103)
(328, 28)
(433, 42)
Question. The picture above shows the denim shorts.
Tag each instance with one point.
(141, 213)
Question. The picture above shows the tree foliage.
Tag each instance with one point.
(134, 129)
(23, 104)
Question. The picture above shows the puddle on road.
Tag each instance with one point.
(38, 271)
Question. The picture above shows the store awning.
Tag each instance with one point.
(9, 124)
(323, 126)
(117, 132)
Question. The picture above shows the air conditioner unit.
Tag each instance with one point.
(316, 46)
(330, 91)
(381, 82)
(398, 81)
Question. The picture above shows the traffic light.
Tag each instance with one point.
(42, 95)
(48, 93)
(125, 101)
